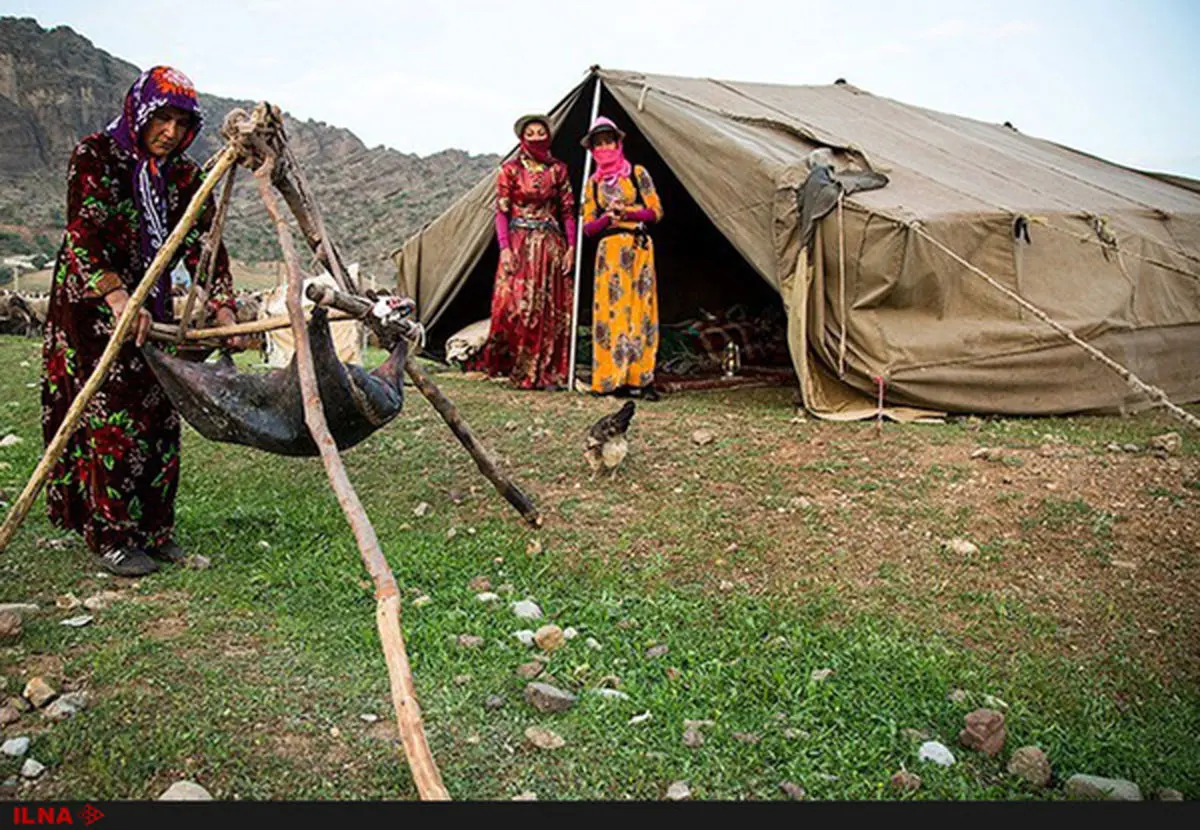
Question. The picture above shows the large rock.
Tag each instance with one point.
(549, 638)
(185, 791)
(1031, 763)
(66, 706)
(15, 747)
(39, 692)
(1095, 788)
(546, 698)
(984, 732)
(10, 627)
(32, 768)
(937, 753)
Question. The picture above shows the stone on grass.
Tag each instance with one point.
(1095, 788)
(1031, 763)
(543, 738)
(993, 702)
(549, 637)
(906, 782)
(693, 738)
(21, 609)
(469, 641)
(570, 633)
(593, 643)
(702, 437)
(962, 547)
(525, 637)
(493, 702)
(422, 509)
(525, 796)
(678, 791)
(1167, 443)
(199, 562)
(936, 752)
(984, 732)
(478, 584)
(66, 706)
(421, 600)
(101, 601)
(534, 547)
(642, 718)
(77, 622)
(527, 609)
(820, 675)
(10, 440)
(957, 696)
(546, 698)
(610, 694)
(66, 602)
(15, 747)
(794, 791)
(654, 652)
(462, 679)
(185, 791)
(1169, 795)
(487, 596)
(9, 715)
(10, 628)
(369, 717)
(39, 692)
(530, 670)
(746, 737)
(32, 768)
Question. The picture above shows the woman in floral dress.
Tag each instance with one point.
(127, 187)
(529, 340)
(619, 204)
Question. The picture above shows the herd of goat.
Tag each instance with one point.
(24, 314)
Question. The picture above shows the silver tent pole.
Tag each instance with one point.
(587, 172)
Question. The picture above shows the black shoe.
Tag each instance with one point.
(622, 392)
(168, 552)
(649, 393)
(127, 561)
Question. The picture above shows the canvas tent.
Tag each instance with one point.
(1111, 253)
(349, 336)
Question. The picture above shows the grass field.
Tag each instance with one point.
(777, 549)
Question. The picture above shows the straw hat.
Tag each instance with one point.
(525, 120)
(601, 125)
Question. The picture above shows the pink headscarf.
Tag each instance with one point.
(610, 161)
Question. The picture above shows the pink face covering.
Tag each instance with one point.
(611, 163)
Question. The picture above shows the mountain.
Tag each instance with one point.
(56, 87)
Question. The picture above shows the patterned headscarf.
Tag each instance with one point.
(157, 87)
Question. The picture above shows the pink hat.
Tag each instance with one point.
(601, 125)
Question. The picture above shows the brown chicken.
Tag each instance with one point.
(606, 445)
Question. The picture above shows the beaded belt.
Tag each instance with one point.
(526, 224)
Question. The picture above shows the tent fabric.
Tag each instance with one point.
(348, 335)
(1112, 253)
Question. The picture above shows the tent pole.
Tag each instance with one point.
(587, 172)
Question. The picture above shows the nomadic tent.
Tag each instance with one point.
(348, 335)
(929, 287)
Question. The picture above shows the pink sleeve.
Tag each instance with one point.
(502, 230)
(640, 215)
(596, 225)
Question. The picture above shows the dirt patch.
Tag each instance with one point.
(166, 628)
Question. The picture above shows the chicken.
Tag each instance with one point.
(606, 445)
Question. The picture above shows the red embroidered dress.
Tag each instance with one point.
(529, 339)
(116, 481)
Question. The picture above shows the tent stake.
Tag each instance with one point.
(587, 172)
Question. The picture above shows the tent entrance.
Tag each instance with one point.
(707, 292)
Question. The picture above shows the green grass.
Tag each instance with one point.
(234, 676)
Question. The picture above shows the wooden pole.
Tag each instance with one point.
(387, 615)
(124, 325)
(208, 256)
(168, 332)
(587, 172)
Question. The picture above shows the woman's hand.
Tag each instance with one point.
(568, 260)
(238, 342)
(615, 210)
(117, 301)
(508, 261)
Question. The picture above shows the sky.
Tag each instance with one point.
(1116, 79)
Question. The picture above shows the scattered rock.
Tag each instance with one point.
(746, 737)
(199, 562)
(451, 533)
(39, 692)
(984, 731)
(794, 791)
(543, 738)
(479, 584)
(1095, 788)
(1166, 444)
(493, 703)
(693, 738)
(525, 636)
(66, 706)
(642, 718)
(527, 609)
(469, 641)
(534, 547)
(1130, 447)
(820, 675)
(15, 747)
(525, 796)
(1169, 795)
(655, 652)
(506, 589)
(511, 425)
(77, 622)
(678, 791)
(795, 734)
(906, 782)
(673, 673)
(185, 791)
(1031, 763)
(20, 704)
(962, 547)
(1113, 447)
(698, 724)
(10, 628)
(993, 702)
(101, 601)
(549, 638)
(546, 698)
(610, 694)
(593, 643)
(457, 496)
(369, 717)
(462, 679)
(530, 670)
(334, 732)
(9, 715)
(936, 752)
(421, 600)
(21, 609)
(487, 596)
(570, 633)
(701, 437)
(10, 440)
(422, 510)
(8, 789)
(32, 768)
(957, 696)
(988, 454)
(66, 602)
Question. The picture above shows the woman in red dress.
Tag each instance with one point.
(530, 336)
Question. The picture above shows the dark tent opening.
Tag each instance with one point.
(701, 276)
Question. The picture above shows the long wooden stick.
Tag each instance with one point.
(208, 256)
(158, 330)
(124, 325)
(387, 615)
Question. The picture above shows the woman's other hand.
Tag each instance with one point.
(508, 261)
(238, 342)
(568, 261)
(117, 301)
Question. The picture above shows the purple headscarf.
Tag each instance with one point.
(157, 87)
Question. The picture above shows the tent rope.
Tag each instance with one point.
(1137, 384)
(841, 285)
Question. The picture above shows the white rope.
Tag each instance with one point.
(1137, 384)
